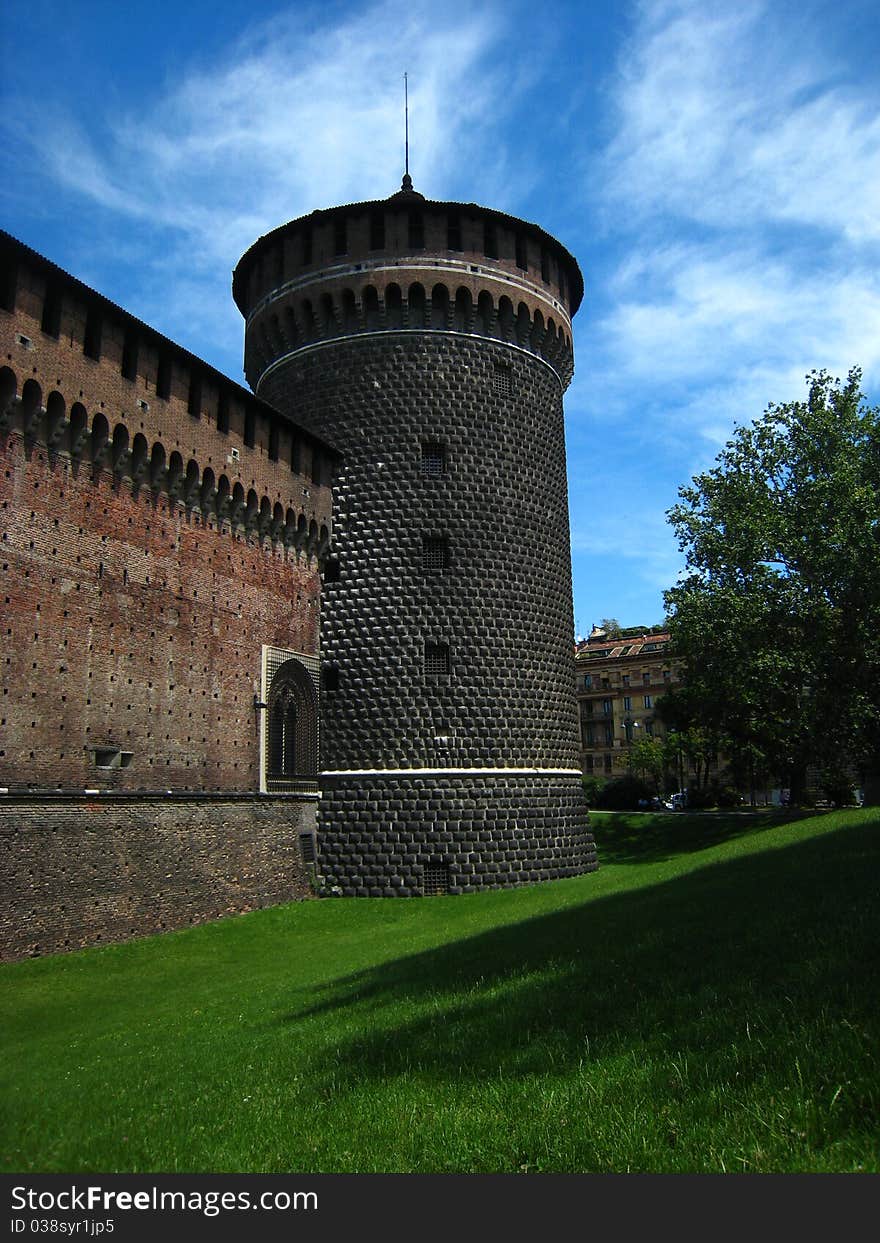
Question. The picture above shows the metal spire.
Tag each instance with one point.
(406, 184)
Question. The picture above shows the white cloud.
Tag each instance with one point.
(752, 191)
(291, 119)
(301, 112)
(723, 120)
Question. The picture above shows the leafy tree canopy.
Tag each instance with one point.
(777, 619)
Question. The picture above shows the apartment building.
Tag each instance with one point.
(620, 679)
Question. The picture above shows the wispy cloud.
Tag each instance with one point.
(744, 188)
(303, 111)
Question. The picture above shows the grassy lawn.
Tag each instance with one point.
(708, 1001)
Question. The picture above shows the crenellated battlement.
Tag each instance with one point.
(292, 321)
(406, 264)
(90, 441)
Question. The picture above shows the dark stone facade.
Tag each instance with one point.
(449, 732)
(382, 835)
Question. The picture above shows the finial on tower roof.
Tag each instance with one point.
(406, 185)
(406, 176)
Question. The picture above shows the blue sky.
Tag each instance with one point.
(713, 165)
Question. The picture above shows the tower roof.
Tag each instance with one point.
(405, 197)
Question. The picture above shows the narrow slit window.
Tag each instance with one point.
(194, 401)
(416, 230)
(340, 236)
(9, 287)
(92, 337)
(51, 320)
(377, 231)
(223, 413)
(453, 232)
(130, 356)
(163, 378)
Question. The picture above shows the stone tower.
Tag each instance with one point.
(431, 343)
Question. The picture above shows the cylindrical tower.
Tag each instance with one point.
(431, 343)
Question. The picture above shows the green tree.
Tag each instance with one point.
(645, 758)
(777, 620)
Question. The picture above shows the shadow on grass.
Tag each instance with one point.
(764, 944)
(640, 837)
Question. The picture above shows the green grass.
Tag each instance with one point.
(707, 1001)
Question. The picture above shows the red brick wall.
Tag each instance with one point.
(129, 623)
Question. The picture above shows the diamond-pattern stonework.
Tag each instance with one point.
(502, 605)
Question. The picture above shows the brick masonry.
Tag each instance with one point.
(79, 871)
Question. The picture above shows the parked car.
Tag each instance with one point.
(678, 802)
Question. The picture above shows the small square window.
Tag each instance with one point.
(435, 552)
(436, 659)
(501, 381)
(433, 458)
(436, 879)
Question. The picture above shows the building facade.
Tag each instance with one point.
(620, 680)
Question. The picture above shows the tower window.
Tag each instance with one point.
(250, 428)
(453, 232)
(340, 236)
(545, 267)
(330, 678)
(307, 246)
(436, 879)
(377, 231)
(416, 230)
(433, 458)
(501, 381)
(490, 239)
(522, 260)
(436, 659)
(435, 552)
(274, 440)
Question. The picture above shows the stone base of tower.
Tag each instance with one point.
(414, 834)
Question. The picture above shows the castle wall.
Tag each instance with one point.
(131, 625)
(152, 547)
(77, 870)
